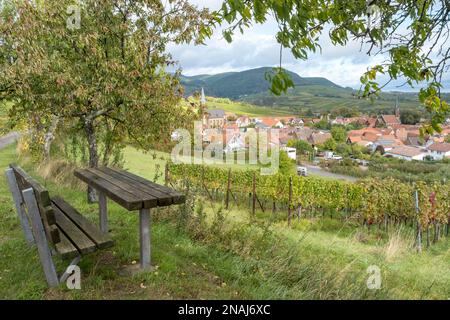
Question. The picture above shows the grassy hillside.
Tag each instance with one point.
(226, 257)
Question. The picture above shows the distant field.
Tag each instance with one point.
(319, 99)
(242, 108)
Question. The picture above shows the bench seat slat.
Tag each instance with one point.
(101, 240)
(73, 233)
(65, 248)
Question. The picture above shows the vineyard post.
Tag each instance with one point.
(254, 194)
(448, 224)
(419, 227)
(166, 175)
(202, 177)
(347, 203)
(448, 218)
(228, 189)
(290, 201)
(273, 208)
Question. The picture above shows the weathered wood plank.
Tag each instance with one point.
(177, 197)
(73, 233)
(122, 197)
(149, 183)
(18, 201)
(100, 239)
(158, 198)
(40, 238)
(148, 200)
(103, 212)
(25, 181)
(65, 249)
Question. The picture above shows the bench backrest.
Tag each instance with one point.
(25, 181)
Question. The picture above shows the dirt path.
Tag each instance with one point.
(326, 174)
(8, 139)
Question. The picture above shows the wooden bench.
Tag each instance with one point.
(52, 224)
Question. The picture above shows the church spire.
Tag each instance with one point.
(203, 98)
(397, 108)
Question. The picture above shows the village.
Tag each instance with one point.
(384, 134)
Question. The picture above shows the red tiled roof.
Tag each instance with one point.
(320, 137)
(370, 136)
(440, 147)
(406, 151)
(390, 119)
(354, 139)
(270, 121)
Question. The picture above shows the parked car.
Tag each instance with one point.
(329, 155)
(334, 157)
(302, 171)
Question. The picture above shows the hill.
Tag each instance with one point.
(235, 85)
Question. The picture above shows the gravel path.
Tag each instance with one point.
(9, 139)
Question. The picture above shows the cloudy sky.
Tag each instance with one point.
(257, 47)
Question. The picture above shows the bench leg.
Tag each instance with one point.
(144, 231)
(40, 238)
(103, 212)
(12, 182)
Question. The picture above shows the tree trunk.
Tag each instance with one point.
(49, 137)
(93, 156)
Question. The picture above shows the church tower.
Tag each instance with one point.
(397, 109)
(203, 107)
(203, 98)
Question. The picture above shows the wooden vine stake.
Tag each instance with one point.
(166, 175)
(227, 199)
(254, 194)
(419, 227)
(290, 201)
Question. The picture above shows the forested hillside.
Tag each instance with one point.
(310, 95)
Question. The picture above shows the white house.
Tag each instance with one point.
(439, 151)
(235, 143)
(243, 121)
(407, 153)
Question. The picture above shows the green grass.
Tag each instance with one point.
(185, 269)
(229, 257)
(4, 107)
